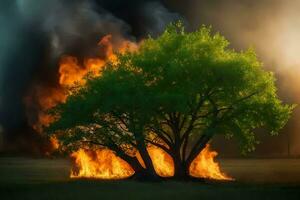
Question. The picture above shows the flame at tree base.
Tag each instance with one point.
(104, 164)
(204, 166)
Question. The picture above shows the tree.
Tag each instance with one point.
(176, 93)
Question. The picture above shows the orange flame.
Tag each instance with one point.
(54, 142)
(71, 73)
(162, 162)
(104, 164)
(204, 166)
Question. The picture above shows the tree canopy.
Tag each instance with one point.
(176, 92)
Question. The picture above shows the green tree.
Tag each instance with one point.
(177, 92)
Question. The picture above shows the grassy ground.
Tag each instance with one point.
(23, 178)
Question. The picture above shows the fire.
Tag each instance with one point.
(54, 142)
(71, 73)
(104, 164)
(163, 163)
(204, 166)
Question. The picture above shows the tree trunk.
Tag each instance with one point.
(180, 172)
(200, 145)
(136, 165)
(139, 170)
(147, 160)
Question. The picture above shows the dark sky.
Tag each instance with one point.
(35, 33)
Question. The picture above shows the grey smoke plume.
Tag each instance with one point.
(158, 17)
(68, 24)
(34, 34)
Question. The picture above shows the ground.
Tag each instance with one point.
(24, 178)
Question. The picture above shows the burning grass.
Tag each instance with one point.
(104, 164)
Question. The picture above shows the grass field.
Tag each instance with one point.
(24, 178)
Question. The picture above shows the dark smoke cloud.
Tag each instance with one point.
(157, 17)
(35, 33)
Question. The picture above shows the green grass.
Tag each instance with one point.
(22, 178)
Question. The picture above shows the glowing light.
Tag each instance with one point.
(104, 164)
(204, 166)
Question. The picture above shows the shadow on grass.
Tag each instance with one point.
(130, 189)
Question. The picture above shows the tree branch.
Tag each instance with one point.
(160, 146)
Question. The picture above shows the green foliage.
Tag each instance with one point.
(173, 74)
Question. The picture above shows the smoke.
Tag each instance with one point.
(72, 25)
(36, 33)
(157, 17)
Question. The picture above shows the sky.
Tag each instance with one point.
(35, 33)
